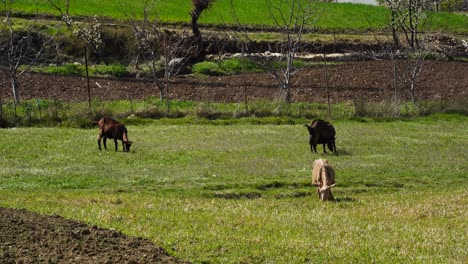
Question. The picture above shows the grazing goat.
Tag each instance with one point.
(110, 128)
(323, 177)
(321, 132)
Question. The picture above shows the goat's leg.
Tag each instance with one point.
(104, 141)
(313, 148)
(116, 144)
(324, 149)
(99, 142)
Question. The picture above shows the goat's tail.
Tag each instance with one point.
(125, 135)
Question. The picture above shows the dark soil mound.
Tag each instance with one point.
(27, 237)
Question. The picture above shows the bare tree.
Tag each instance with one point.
(89, 32)
(409, 20)
(165, 53)
(411, 69)
(292, 19)
(19, 49)
(62, 6)
(198, 7)
(407, 17)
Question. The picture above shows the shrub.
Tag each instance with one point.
(225, 67)
(116, 70)
(207, 68)
(68, 69)
(238, 65)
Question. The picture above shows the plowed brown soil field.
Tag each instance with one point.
(26, 237)
(368, 80)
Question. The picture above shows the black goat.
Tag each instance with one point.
(321, 132)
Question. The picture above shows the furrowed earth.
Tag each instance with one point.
(27, 237)
(366, 81)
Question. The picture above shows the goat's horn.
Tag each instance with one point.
(327, 187)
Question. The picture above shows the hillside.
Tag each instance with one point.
(330, 17)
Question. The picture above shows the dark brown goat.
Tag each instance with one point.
(321, 132)
(110, 128)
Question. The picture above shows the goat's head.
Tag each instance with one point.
(128, 144)
(324, 192)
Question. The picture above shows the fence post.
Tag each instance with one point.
(131, 105)
(326, 85)
(56, 108)
(87, 79)
(1, 108)
(39, 108)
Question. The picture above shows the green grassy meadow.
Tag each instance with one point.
(241, 193)
(343, 17)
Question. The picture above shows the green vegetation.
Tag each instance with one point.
(226, 67)
(334, 17)
(242, 194)
(51, 113)
(114, 70)
(205, 68)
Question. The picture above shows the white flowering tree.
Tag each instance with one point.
(164, 53)
(89, 32)
(408, 23)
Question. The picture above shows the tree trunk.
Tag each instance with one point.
(412, 91)
(15, 85)
(1, 110)
(394, 25)
(196, 32)
(286, 92)
(286, 86)
(199, 55)
(161, 94)
(395, 78)
(168, 102)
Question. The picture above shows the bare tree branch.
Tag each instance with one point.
(19, 49)
(164, 53)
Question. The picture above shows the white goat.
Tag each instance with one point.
(323, 177)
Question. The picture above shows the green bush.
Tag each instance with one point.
(116, 70)
(225, 67)
(207, 68)
(68, 69)
(237, 65)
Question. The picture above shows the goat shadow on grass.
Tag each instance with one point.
(238, 195)
(344, 200)
(343, 152)
(339, 152)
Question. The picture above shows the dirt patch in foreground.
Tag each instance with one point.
(27, 237)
